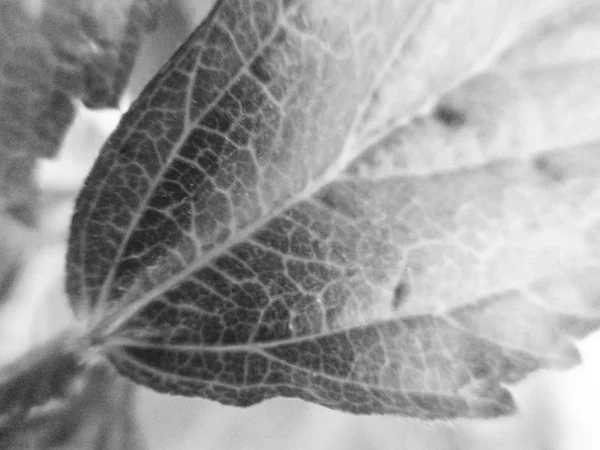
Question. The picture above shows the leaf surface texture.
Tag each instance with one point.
(367, 206)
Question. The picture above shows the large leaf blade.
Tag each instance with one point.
(468, 323)
(214, 256)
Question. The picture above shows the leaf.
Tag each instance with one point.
(43, 374)
(55, 51)
(98, 416)
(51, 53)
(335, 203)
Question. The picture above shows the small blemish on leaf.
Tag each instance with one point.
(549, 170)
(450, 117)
(351, 271)
(400, 296)
(262, 70)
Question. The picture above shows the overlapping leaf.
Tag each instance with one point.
(279, 215)
(98, 416)
(22, 385)
(51, 53)
(55, 51)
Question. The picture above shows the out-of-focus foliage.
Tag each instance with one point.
(22, 388)
(54, 53)
(364, 208)
(96, 415)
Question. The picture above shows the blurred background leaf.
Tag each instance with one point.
(96, 417)
(56, 57)
(53, 52)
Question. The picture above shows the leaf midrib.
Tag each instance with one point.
(120, 353)
(106, 326)
(447, 317)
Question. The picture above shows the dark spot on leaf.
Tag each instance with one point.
(262, 70)
(342, 201)
(23, 212)
(401, 292)
(9, 276)
(218, 119)
(351, 271)
(450, 117)
(546, 167)
(480, 369)
(232, 252)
